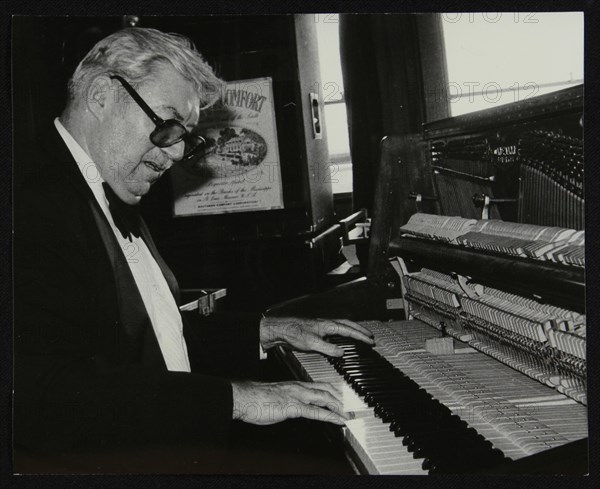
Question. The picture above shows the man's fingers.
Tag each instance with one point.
(356, 326)
(321, 346)
(268, 403)
(327, 386)
(306, 391)
(349, 329)
(350, 332)
(324, 398)
(325, 395)
(320, 414)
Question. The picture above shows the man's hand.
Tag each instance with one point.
(268, 403)
(308, 334)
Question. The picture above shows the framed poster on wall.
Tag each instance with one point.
(239, 170)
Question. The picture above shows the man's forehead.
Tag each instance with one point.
(171, 92)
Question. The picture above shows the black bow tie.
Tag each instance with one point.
(126, 217)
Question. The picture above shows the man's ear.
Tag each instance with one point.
(100, 96)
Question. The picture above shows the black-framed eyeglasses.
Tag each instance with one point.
(167, 132)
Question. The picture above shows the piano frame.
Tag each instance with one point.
(407, 184)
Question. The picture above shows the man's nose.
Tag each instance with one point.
(175, 151)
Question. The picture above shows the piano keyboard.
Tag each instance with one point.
(416, 412)
(375, 445)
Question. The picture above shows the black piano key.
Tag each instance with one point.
(442, 435)
(398, 391)
(457, 461)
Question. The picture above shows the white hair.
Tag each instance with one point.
(134, 54)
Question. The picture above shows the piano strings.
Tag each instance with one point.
(551, 179)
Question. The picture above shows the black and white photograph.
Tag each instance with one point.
(324, 244)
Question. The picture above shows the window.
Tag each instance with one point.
(498, 58)
(332, 91)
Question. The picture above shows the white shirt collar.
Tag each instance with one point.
(88, 168)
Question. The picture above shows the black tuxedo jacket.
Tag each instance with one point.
(88, 368)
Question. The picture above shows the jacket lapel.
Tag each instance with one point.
(133, 316)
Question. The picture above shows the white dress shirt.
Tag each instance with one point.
(158, 300)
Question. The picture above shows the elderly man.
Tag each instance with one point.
(100, 353)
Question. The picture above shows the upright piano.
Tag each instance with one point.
(475, 292)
